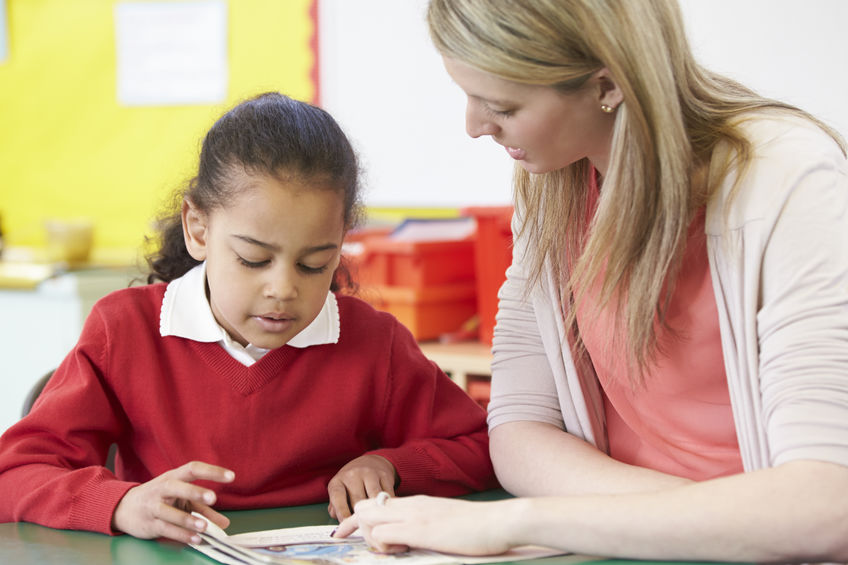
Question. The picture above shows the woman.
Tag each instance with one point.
(670, 375)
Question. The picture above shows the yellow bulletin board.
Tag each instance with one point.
(68, 149)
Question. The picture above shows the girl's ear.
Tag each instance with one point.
(609, 92)
(195, 226)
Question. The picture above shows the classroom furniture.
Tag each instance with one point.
(41, 322)
(34, 545)
(463, 361)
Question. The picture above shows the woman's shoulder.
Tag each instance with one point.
(785, 151)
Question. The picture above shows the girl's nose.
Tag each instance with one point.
(281, 284)
(477, 123)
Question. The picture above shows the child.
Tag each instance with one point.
(243, 382)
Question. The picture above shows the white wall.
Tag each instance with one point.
(384, 82)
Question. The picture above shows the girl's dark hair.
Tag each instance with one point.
(270, 134)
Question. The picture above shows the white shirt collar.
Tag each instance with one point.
(186, 313)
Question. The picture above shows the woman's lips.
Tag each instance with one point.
(516, 153)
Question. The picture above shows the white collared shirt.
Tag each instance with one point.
(186, 313)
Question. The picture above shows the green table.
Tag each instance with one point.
(30, 544)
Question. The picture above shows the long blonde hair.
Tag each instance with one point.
(674, 114)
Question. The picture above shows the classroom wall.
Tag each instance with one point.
(385, 83)
(68, 149)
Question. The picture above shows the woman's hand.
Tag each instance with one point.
(441, 524)
(362, 478)
(162, 507)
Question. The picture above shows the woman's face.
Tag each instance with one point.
(540, 127)
(270, 256)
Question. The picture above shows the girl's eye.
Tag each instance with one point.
(312, 270)
(252, 264)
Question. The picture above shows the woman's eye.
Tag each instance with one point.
(252, 264)
(498, 113)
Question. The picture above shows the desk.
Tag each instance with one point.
(460, 360)
(32, 545)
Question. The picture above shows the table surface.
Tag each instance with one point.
(23, 543)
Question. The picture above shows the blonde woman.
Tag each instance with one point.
(670, 376)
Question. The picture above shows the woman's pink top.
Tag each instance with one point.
(679, 421)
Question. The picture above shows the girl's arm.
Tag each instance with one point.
(795, 512)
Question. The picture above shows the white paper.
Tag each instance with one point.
(171, 53)
(315, 544)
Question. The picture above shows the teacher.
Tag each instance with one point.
(670, 374)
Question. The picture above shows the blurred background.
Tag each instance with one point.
(103, 105)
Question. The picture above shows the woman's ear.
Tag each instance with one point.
(195, 227)
(608, 91)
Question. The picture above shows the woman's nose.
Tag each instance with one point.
(477, 123)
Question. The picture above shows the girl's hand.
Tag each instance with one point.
(362, 478)
(441, 524)
(162, 507)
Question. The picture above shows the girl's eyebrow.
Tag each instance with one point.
(272, 247)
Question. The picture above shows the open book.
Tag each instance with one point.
(314, 545)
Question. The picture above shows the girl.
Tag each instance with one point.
(670, 375)
(241, 381)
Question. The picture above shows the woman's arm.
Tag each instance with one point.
(535, 458)
(795, 512)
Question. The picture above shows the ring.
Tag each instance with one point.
(382, 497)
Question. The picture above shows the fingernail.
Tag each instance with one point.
(200, 524)
(195, 540)
(209, 498)
(229, 475)
(333, 533)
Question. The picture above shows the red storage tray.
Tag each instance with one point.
(384, 261)
(492, 256)
(427, 312)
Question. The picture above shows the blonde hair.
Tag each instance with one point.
(674, 114)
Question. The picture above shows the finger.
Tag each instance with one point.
(212, 515)
(338, 499)
(187, 492)
(347, 527)
(331, 511)
(387, 484)
(167, 514)
(373, 486)
(198, 470)
(356, 491)
(174, 532)
(388, 538)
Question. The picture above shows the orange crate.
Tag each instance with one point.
(480, 390)
(492, 256)
(385, 261)
(427, 312)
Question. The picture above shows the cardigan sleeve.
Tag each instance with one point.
(523, 383)
(433, 432)
(802, 320)
(51, 461)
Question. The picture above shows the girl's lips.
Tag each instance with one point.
(274, 324)
(516, 153)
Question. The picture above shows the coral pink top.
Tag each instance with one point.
(679, 421)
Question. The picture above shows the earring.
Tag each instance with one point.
(607, 109)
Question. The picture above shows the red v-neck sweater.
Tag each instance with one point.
(285, 425)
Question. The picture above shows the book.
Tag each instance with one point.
(314, 545)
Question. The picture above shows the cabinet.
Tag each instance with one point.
(40, 325)
(467, 363)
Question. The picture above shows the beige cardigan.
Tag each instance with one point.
(779, 265)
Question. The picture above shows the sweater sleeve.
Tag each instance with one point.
(51, 461)
(433, 432)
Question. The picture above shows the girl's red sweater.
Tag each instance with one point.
(285, 425)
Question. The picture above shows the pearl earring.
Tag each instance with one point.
(607, 109)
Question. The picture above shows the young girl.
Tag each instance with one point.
(241, 381)
(670, 374)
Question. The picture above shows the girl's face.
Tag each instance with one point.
(540, 127)
(270, 255)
